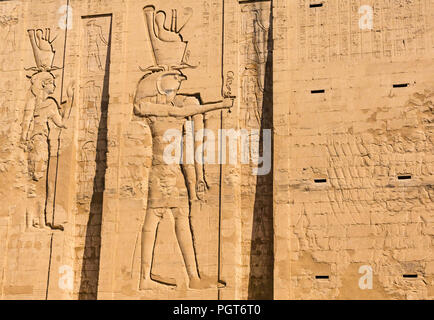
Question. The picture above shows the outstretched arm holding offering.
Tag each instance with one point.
(145, 108)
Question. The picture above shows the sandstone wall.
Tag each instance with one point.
(358, 168)
(349, 190)
(98, 165)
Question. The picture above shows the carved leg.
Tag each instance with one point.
(185, 240)
(49, 207)
(149, 233)
(53, 222)
(40, 222)
(98, 60)
(39, 156)
(38, 206)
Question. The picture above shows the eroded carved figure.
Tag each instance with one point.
(7, 35)
(174, 188)
(97, 44)
(255, 56)
(8, 39)
(42, 113)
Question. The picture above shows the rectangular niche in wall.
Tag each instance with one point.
(92, 145)
(256, 113)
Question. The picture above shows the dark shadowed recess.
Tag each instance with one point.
(262, 246)
(91, 258)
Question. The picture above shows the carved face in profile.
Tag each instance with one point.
(169, 84)
(49, 85)
(43, 82)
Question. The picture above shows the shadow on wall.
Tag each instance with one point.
(262, 241)
(92, 248)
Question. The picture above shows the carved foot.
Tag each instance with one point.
(147, 284)
(156, 282)
(39, 223)
(55, 227)
(205, 282)
(40, 226)
(163, 280)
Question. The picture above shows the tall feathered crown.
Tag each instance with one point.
(42, 50)
(168, 46)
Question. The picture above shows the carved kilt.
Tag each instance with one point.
(167, 186)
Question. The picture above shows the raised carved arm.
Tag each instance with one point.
(146, 109)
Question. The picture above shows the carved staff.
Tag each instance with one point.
(228, 77)
(67, 111)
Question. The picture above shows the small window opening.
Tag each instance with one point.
(404, 177)
(317, 91)
(320, 180)
(400, 85)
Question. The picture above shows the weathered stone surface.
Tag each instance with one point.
(216, 149)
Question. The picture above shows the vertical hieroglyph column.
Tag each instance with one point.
(230, 215)
(92, 149)
(10, 118)
(281, 110)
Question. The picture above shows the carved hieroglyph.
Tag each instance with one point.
(174, 188)
(8, 34)
(92, 146)
(256, 108)
(350, 185)
(42, 113)
(254, 50)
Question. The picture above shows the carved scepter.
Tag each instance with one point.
(227, 81)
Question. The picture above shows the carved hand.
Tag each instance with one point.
(201, 188)
(228, 103)
(71, 89)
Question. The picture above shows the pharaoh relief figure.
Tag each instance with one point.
(96, 42)
(175, 187)
(256, 55)
(42, 113)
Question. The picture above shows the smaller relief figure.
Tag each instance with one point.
(6, 94)
(252, 98)
(87, 171)
(42, 113)
(7, 33)
(96, 45)
(8, 41)
(260, 43)
(92, 101)
(255, 52)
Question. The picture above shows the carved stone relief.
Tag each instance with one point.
(94, 207)
(41, 114)
(96, 41)
(92, 146)
(174, 189)
(256, 110)
(254, 49)
(8, 34)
